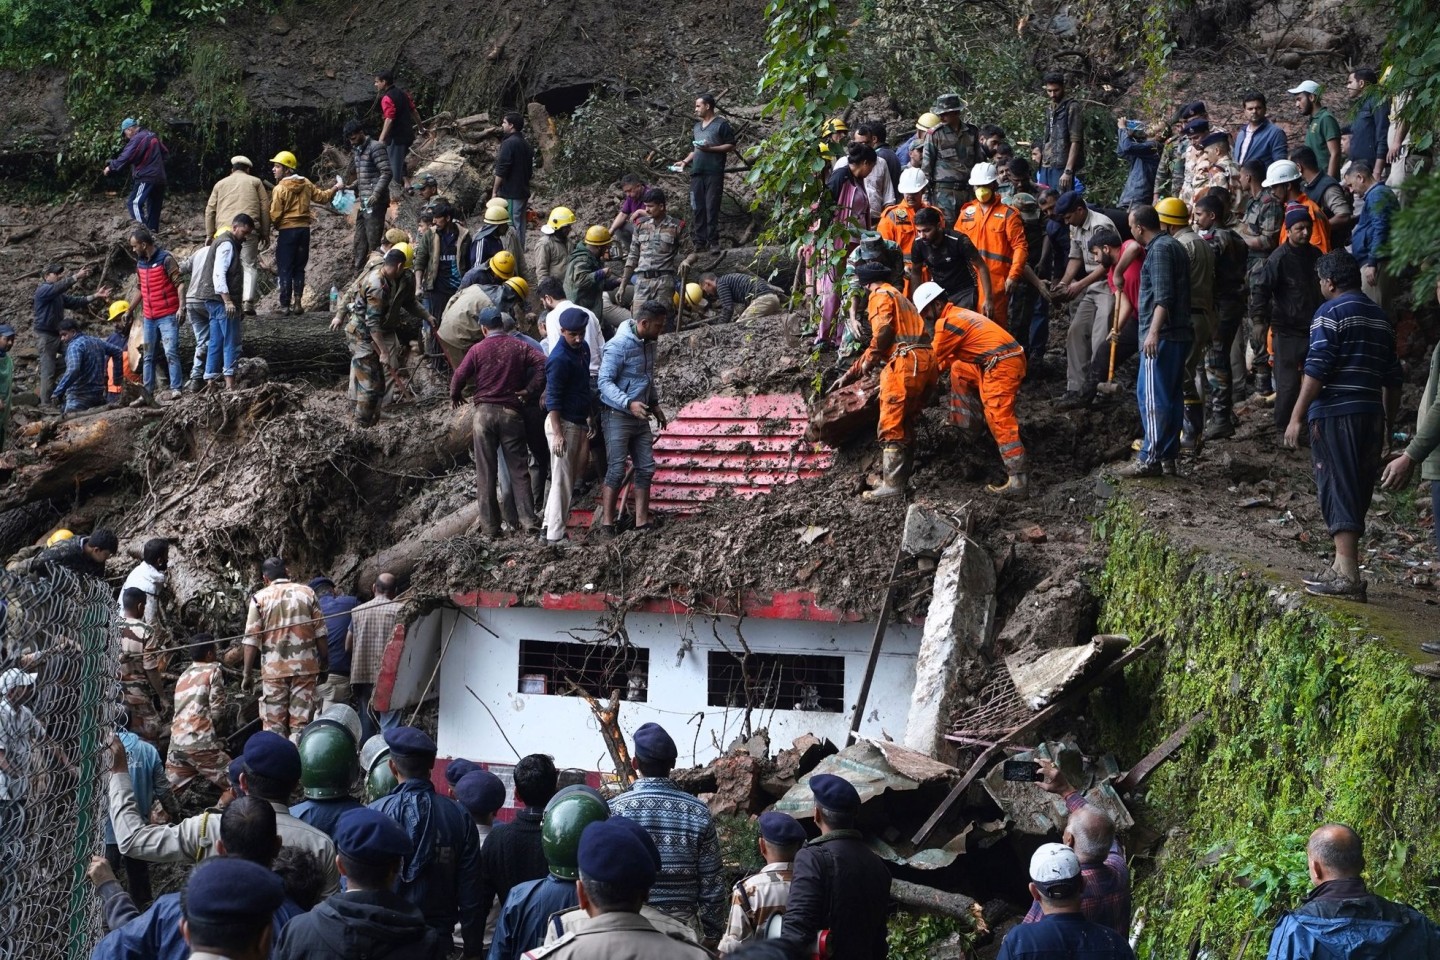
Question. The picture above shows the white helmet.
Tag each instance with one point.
(1281, 171)
(926, 293)
(913, 180)
(983, 173)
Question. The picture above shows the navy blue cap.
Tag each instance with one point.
(1197, 125)
(781, 829)
(369, 836)
(653, 743)
(636, 828)
(491, 319)
(6, 330)
(271, 756)
(1067, 201)
(1214, 137)
(610, 852)
(480, 792)
(237, 767)
(232, 890)
(1194, 108)
(410, 742)
(316, 582)
(458, 769)
(834, 793)
(573, 318)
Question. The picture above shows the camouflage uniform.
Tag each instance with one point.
(871, 247)
(946, 160)
(754, 902)
(137, 643)
(284, 623)
(383, 300)
(654, 259)
(1262, 217)
(195, 746)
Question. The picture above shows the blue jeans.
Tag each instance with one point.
(224, 343)
(1161, 397)
(517, 210)
(373, 721)
(163, 332)
(1039, 330)
(630, 436)
(199, 316)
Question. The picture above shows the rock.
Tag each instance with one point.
(926, 532)
(1031, 534)
(1058, 612)
(793, 763)
(954, 657)
(278, 25)
(1104, 489)
(696, 780)
(542, 130)
(737, 785)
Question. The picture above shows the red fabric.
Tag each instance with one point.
(158, 294)
(1131, 281)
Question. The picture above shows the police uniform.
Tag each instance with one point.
(232, 893)
(266, 754)
(655, 258)
(613, 852)
(442, 877)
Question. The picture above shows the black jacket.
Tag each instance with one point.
(369, 925)
(71, 555)
(511, 855)
(1287, 292)
(841, 885)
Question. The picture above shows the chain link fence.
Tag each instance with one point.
(57, 631)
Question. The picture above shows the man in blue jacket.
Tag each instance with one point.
(1378, 204)
(1342, 918)
(567, 398)
(145, 155)
(83, 385)
(1144, 158)
(51, 302)
(629, 397)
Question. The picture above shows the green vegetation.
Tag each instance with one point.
(913, 936)
(116, 54)
(1307, 723)
(1413, 51)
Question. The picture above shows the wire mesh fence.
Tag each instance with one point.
(58, 703)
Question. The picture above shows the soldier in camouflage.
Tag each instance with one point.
(141, 686)
(195, 745)
(655, 253)
(285, 625)
(375, 349)
(950, 151)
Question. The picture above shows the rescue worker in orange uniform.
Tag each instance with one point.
(1285, 183)
(987, 367)
(900, 349)
(998, 234)
(897, 221)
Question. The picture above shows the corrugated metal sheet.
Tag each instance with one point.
(743, 446)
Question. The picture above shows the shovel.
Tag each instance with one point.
(1110, 387)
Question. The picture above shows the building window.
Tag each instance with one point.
(557, 669)
(777, 681)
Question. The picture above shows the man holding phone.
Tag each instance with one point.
(713, 139)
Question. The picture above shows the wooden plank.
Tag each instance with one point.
(878, 640)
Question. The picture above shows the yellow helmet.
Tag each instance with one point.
(836, 125)
(560, 217)
(496, 214)
(598, 236)
(119, 307)
(694, 294)
(502, 265)
(1172, 210)
(286, 159)
(404, 247)
(497, 202)
(927, 122)
(57, 536)
(518, 284)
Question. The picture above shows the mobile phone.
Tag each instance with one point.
(1022, 771)
(1135, 124)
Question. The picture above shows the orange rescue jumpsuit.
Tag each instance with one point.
(987, 367)
(898, 347)
(1319, 226)
(998, 234)
(897, 224)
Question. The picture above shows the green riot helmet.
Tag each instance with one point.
(566, 817)
(381, 782)
(328, 765)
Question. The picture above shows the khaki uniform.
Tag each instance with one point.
(946, 160)
(551, 258)
(754, 902)
(193, 839)
(285, 623)
(241, 193)
(195, 746)
(459, 324)
(654, 259)
(618, 936)
(137, 645)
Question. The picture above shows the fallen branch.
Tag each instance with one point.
(930, 900)
(609, 719)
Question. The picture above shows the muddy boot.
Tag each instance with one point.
(1192, 433)
(1265, 385)
(249, 308)
(1015, 488)
(893, 474)
(296, 309)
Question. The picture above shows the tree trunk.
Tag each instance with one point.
(930, 900)
(400, 559)
(74, 454)
(302, 346)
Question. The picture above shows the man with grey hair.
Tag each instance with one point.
(1091, 834)
(1341, 917)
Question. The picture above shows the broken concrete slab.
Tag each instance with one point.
(954, 658)
(1058, 612)
(1042, 677)
(872, 767)
(795, 761)
(927, 534)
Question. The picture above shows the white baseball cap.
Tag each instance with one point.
(14, 677)
(926, 293)
(983, 173)
(1307, 86)
(1053, 863)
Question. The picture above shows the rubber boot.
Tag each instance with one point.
(893, 474)
(1265, 384)
(299, 295)
(1192, 433)
(1017, 487)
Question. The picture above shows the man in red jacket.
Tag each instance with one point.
(158, 273)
